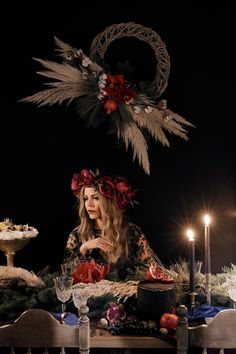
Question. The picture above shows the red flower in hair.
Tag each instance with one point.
(122, 201)
(106, 186)
(117, 187)
(122, 185)
(124, 193)
(79, 180)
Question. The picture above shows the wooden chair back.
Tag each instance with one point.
(37, 328)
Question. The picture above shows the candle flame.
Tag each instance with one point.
(190, 234)
(207, 220)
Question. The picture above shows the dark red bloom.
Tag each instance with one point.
(122, 201)
(90, 272)
(117, 187)
(118, 91)
(122, 185)
(106, 186)
(79, 180)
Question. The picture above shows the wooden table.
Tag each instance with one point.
(107, 340)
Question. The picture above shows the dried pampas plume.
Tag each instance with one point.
(16, 272)
(98, 94)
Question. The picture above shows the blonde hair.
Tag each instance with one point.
(113, 226)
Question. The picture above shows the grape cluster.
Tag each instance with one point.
(133, 326)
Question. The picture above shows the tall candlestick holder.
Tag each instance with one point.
(192, 293)
(207, 221)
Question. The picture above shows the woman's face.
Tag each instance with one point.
(91, 202)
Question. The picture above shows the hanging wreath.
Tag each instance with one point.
(100, 94)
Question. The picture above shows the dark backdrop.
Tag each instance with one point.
(42, 147)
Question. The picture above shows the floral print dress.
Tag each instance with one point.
(130, 266)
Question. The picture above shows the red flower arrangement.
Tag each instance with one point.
(90, 272)
(116, 187)
(115, 90)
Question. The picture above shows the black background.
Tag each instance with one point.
(42, 147)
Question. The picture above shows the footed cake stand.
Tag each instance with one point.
(10, 247)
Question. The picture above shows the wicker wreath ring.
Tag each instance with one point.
(99, 94)
(103, 40)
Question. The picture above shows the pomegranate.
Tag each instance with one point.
(169, 321)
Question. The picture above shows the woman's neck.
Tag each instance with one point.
(98, 224)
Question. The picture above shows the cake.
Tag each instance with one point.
(154, 299)
(11, 231)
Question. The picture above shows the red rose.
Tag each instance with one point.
(122, 185)
(118, 90)
(120, 79)
(106, 186)
(122, 201)
(84, 178)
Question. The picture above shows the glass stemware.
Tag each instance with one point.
(67, 268)
(80, 294)
(63, 287)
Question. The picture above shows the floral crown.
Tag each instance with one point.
(132, 108)
(116, 187)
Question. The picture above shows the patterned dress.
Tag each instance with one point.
(130, 266)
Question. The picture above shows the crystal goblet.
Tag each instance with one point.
(63, 285)
(80, 294)
(67, 268)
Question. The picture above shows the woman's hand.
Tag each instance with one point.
(99, 242)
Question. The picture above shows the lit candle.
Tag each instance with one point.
(190, 235)
(207, 221)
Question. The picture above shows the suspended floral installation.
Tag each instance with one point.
(134, 111)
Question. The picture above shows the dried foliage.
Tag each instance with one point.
(7, 273)
(219, 282)
(98, 94)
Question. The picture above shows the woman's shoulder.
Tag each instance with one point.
(134, 229)
(75, 231)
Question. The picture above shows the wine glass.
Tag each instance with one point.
(80, 294)
(67, 268)
(63, 284)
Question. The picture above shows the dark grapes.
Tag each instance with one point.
(132, 326)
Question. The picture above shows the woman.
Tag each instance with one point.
(103, 233)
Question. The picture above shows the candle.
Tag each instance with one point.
(207, 221)
(190, 235)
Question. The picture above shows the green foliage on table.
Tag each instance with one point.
(16, 297)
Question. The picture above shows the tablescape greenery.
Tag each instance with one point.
(17, 296)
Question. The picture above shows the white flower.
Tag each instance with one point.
(100, 96)
(137, 109)
(103, 76)
(78, 53)
(101, 84)
(148, 109)
(85, 74)
(86, 62)
(102, 81)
